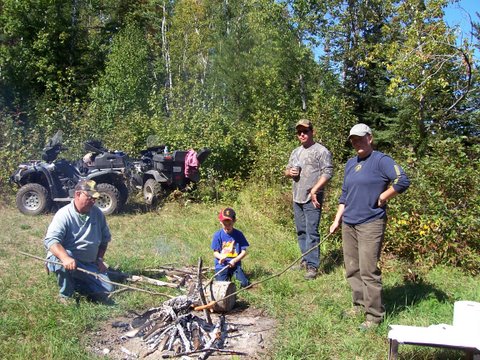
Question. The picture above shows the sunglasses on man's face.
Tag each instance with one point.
(304, 131)
(89, 197)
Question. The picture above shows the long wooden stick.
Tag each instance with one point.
(212, 303)
(214, 275)
(201, 292)
(225, 351)
(97, 276)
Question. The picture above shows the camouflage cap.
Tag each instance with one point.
(89, 186)
(304, 123)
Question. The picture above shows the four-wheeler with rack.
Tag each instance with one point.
(49, 181)
(159, 171)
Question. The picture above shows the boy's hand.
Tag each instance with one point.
(232, 263)
(222, 258)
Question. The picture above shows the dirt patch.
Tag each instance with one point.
(253, 335)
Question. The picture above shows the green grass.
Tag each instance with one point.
(310, 326)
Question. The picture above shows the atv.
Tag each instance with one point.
(110, 170)
(49, 181)
(159, 172)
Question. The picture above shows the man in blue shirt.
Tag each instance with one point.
(371, 179)
(78, 237)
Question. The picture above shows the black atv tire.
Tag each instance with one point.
(33, 199)
(152, 192)
(109, 200)
(123, 189)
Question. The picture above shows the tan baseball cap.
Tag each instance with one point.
(89, 186)
(304, 123)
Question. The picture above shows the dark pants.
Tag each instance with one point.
(307, 220)
(86, 284)
(362, 245)
(227, 274)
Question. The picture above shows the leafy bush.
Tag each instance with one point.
(436, 221)
(18, 144)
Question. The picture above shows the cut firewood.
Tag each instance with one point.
(144, 279)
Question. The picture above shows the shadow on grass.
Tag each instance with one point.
(138, 207)
(417, 352)
(399, 298)
(331, 260)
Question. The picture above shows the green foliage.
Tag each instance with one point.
(235, 77)
(428, 72)
(126, 84)
(18, 145)
(436, 221)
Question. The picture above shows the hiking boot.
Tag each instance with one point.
(353, 312)
(311, 273)
(368, 325)
(301, 266)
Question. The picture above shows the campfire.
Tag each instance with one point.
(180, 329)
(174, 331)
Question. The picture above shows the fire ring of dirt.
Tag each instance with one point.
(253, 335)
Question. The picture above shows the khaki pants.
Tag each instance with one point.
(362, 245)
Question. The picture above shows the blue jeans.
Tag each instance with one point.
(227, 274)
(86, 284)
(307, 220)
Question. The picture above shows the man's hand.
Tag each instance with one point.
(315, 201)
(69, 263)
(294, 172)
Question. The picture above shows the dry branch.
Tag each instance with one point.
(145, 279)
(97, 276)
(201, 292)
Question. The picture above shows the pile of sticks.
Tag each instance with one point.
(176, 278)
(175, 331)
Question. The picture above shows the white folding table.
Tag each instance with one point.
(442, 335)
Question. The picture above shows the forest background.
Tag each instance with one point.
(235, 76)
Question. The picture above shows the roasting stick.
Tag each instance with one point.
(211, 304)
(214, 275)
(98, 277)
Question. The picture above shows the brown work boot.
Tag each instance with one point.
(311, 273)
(301, 266)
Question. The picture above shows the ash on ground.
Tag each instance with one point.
(247, 331)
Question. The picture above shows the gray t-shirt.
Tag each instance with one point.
(81, 234)
(315, 161)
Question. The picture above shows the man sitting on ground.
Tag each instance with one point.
(77, 238)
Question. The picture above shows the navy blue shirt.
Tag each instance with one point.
(364, 180)
(230, 245)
